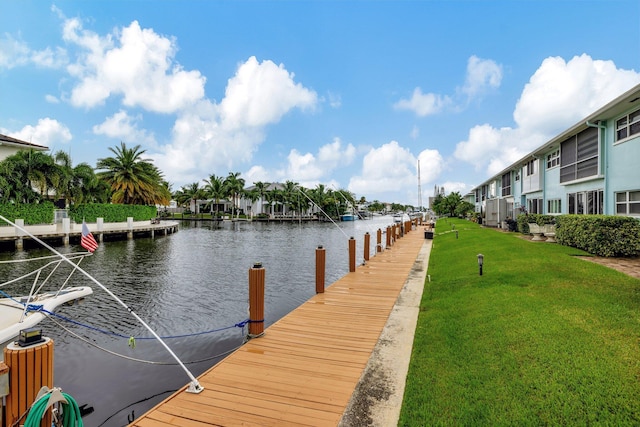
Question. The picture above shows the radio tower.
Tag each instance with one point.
(419, 189)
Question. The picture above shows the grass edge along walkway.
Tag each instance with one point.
(541, 338)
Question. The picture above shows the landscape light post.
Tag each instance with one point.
(480, 262)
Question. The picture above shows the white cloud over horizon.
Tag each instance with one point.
(481, 75)
(47, 132)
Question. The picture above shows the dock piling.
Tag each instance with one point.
(321, 254)
(352, 254)
(367, 244)
(256, 300)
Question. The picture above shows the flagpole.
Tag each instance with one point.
(195, 386)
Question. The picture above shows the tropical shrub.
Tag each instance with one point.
(111, 212)
(36, 213)
(602, 235)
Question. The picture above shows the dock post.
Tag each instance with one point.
(321, 254)
(100, 224)
(352, 254)
(379, 240)
(388, 237)
(66, 229)
(130, 227)
(19, 233)
(256, 300)
(30, 368)
(367, 244)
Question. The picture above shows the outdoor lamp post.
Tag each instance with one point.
(480, 262)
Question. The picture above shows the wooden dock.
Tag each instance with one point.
(56, 234)
(303, 371)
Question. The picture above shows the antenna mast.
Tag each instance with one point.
(419, 189)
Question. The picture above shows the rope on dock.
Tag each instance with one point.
(133, 359)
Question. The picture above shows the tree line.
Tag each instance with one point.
(126, 177)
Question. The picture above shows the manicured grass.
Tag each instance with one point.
(541, 338)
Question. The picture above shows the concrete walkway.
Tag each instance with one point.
(377, 399)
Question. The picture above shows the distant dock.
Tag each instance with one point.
(60, 234)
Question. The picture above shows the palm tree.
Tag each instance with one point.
(75, 184)
(214, 189)
(291, 196)
(133, 179)
(273, 196)
(253, 195)
(261, 187)
(192, 192)
(234, 186)
(25, 172)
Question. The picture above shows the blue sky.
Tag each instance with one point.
(350, 94)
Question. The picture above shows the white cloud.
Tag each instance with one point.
(311, 168)
(452, 187)
(13, 52)
(260, 94)
(557, 96)
(208, 137)
(16, 53)
(431, 166)
(256, 174)
(136, 63)
(51, 99)
(481, 74)
(387, 168)
(125, 128)
(423, 104)
(390, 173)
(415, 132)
(560, 93)
(335, 100)
(47, 132)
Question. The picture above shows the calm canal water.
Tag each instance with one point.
(193, 281)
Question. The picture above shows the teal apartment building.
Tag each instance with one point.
(591, 168)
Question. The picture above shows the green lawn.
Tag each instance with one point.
(541, 338)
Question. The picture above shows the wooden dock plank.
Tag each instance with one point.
(304, 369)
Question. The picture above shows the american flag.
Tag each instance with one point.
(87, 240)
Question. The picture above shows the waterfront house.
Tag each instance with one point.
(590, 168)
(10, 146)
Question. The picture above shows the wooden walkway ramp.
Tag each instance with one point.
(305, 368)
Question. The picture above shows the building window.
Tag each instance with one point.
(530, 168)
(534, 206)
(477, 195)
(554, 206)
(628, 203)
(586, 202)
(628, 126)
(506, 184)
(579, 156)
(553, 159)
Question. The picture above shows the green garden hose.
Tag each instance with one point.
(70, 412)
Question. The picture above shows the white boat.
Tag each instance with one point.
(347, 217)
(43, 298)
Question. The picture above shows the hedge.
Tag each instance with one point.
(111, 213)
(602, 235)
(40, 213)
